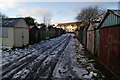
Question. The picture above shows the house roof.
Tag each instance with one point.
(114, 12)
(71, 23)
(35, 27)
(10, 22)
(86, 25)
(94, 25)
(83, 25)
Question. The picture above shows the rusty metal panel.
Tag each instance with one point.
(111, 20)
(109, 53)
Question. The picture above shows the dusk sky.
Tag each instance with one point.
(59, 12)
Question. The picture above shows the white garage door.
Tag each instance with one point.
(18, 37)
(25, 37)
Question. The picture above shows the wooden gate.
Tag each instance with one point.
(110, 48)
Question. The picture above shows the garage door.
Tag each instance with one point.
(18, 37)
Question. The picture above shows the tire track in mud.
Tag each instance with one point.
(54, 60)
(43, 48)
(48, 62)
(24, 61)
(65, 68)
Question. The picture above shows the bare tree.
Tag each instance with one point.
(89, 14)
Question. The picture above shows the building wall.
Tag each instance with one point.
(68, 28)
(97, 39)
(0, 36)
(0, 41)
(33, 35)
(21, 34)
(71, 28)
(77, 34)
(110, 48)
(84, 37)
(21, 23)
(63, 27)
(9, 40)
(90, 39)
(58, 27)
(111, 20)
(18, 37)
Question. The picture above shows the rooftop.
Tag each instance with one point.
(116, 12)
(71, 23)
(10, 22)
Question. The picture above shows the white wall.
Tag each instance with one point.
(18, 37)
(21, 34)
(90, 39)
(9, 40)
(26, 37)
(21, 23)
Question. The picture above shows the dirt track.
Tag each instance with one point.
(55, 59)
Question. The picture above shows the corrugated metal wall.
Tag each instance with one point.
(110, 48)
(111, 20)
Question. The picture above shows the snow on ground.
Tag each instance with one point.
(62, 60)
(30, 55)
(85, 63)
(10, 55)
(74, 64)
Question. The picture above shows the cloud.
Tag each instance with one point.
(53, 22)
(61, 0)
(35, 12)
(66, 13)
(66, 20)
(4, 5)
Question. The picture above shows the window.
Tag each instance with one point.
(4, 32)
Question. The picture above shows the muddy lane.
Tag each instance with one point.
(15, 69)
(58, 58)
